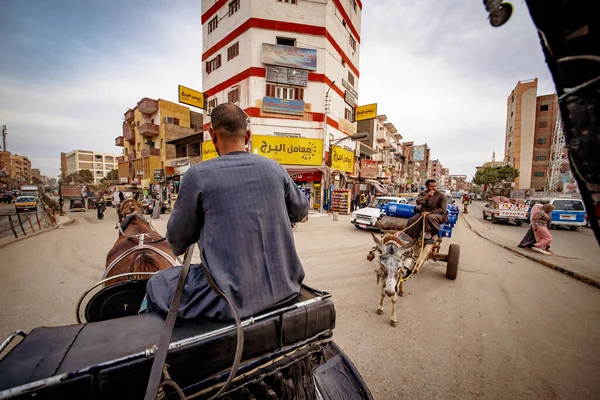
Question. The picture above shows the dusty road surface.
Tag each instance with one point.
(507, 328)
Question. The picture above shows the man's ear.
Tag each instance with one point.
(248, 135)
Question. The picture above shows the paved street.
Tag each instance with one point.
(507, 328)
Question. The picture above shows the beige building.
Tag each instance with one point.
(530, 121)
(99, 164)
(20, 168)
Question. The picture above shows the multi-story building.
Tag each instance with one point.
(5, 165)
(445, 178)
(384, 147)
(530, 124)
(292, 66)
(99, 164)
(20, 168)
(147, 129)
(436, 170)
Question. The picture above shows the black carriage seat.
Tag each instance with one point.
(46, 352)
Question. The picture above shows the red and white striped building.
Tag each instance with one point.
(291, 65)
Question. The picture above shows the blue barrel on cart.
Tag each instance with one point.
(452, 208)
(399, 210)
(446, 231)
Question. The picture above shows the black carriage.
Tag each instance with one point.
(288, 353)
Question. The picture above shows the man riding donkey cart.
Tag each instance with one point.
(403, 253)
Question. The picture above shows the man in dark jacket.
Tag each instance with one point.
(238, 208)
(433, 210)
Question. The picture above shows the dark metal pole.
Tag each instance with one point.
(21, 224)
(12, 227)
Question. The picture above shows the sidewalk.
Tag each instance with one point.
(60, 222)
(577, 269)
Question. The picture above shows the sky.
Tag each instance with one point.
(69, 69)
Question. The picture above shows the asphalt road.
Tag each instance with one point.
(580, 244)
(507, 328)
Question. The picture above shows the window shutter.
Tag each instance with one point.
(208, 67)
(218, 61)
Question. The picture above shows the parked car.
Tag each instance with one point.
(6, 197)
(569, 213)
(148, 206)
(366, 218)
(502, 209)
(26, 204)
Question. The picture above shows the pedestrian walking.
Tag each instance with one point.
(529, 239)
(100, 207)
(357, 201)
(156, 209)
(466, 202)
(541, 221)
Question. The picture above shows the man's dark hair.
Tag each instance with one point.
(428, 181)
(229, 119)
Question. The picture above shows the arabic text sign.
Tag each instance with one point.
(289, 76)
(419, 153)
(289, 56)
(366, 112)
(283, 106)
(289, 151)
(208, 151)
(342, 159)
(368, 169)
(191, 97)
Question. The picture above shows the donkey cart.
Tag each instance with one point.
(400, 258)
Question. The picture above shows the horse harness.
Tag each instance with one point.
(143, 244)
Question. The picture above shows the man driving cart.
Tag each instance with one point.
(432, 213)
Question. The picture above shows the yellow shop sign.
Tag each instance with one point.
(342, 159)
(208, 151)
(289, 150)
(365, 112)
(191, 97)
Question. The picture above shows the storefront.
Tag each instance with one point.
(310, 184)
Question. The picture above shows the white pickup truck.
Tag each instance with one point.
(507, 212)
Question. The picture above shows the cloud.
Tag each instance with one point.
(448, 74)
(70, 69)
(103, 75)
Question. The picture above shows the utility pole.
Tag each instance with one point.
(4, 134)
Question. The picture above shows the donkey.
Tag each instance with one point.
(392, 269)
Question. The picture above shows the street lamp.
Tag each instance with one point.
(354, 138)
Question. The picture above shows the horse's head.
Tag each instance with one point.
(391, 261)
(127, 207)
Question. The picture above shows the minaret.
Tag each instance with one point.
(494, 156)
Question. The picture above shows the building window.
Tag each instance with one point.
(213, 103)
(541, 140)
(234, 96)
(180, 152)
(544, 107)
(353, 4)
(352, 43)
(287, 1)
(285, 92)
(509, 144)
(213, 24)
(511, 113)
(543, 124)
(171, 120)
(510, 130)
(213, 64)
(286, 41)
(540, 158)
(348, 114)
(538, 174)
(512, 99)
(233, 51)
(196, 148)
(350, 78)
(233, 7)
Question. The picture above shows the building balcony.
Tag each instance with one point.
(128, 134)
(129, 115)
(147, 106)
(120, 159)
(150, 152)
(131, 156)
(119, 141)
(148, 129)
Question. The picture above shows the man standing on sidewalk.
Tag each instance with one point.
(466, 202)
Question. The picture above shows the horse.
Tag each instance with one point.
(128, 206)
(139, 248)
(395, 263)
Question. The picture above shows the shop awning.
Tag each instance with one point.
(301, 169)
(189, 139)
(378, 186)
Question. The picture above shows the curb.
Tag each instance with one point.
(583, 278)
(70, 221)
